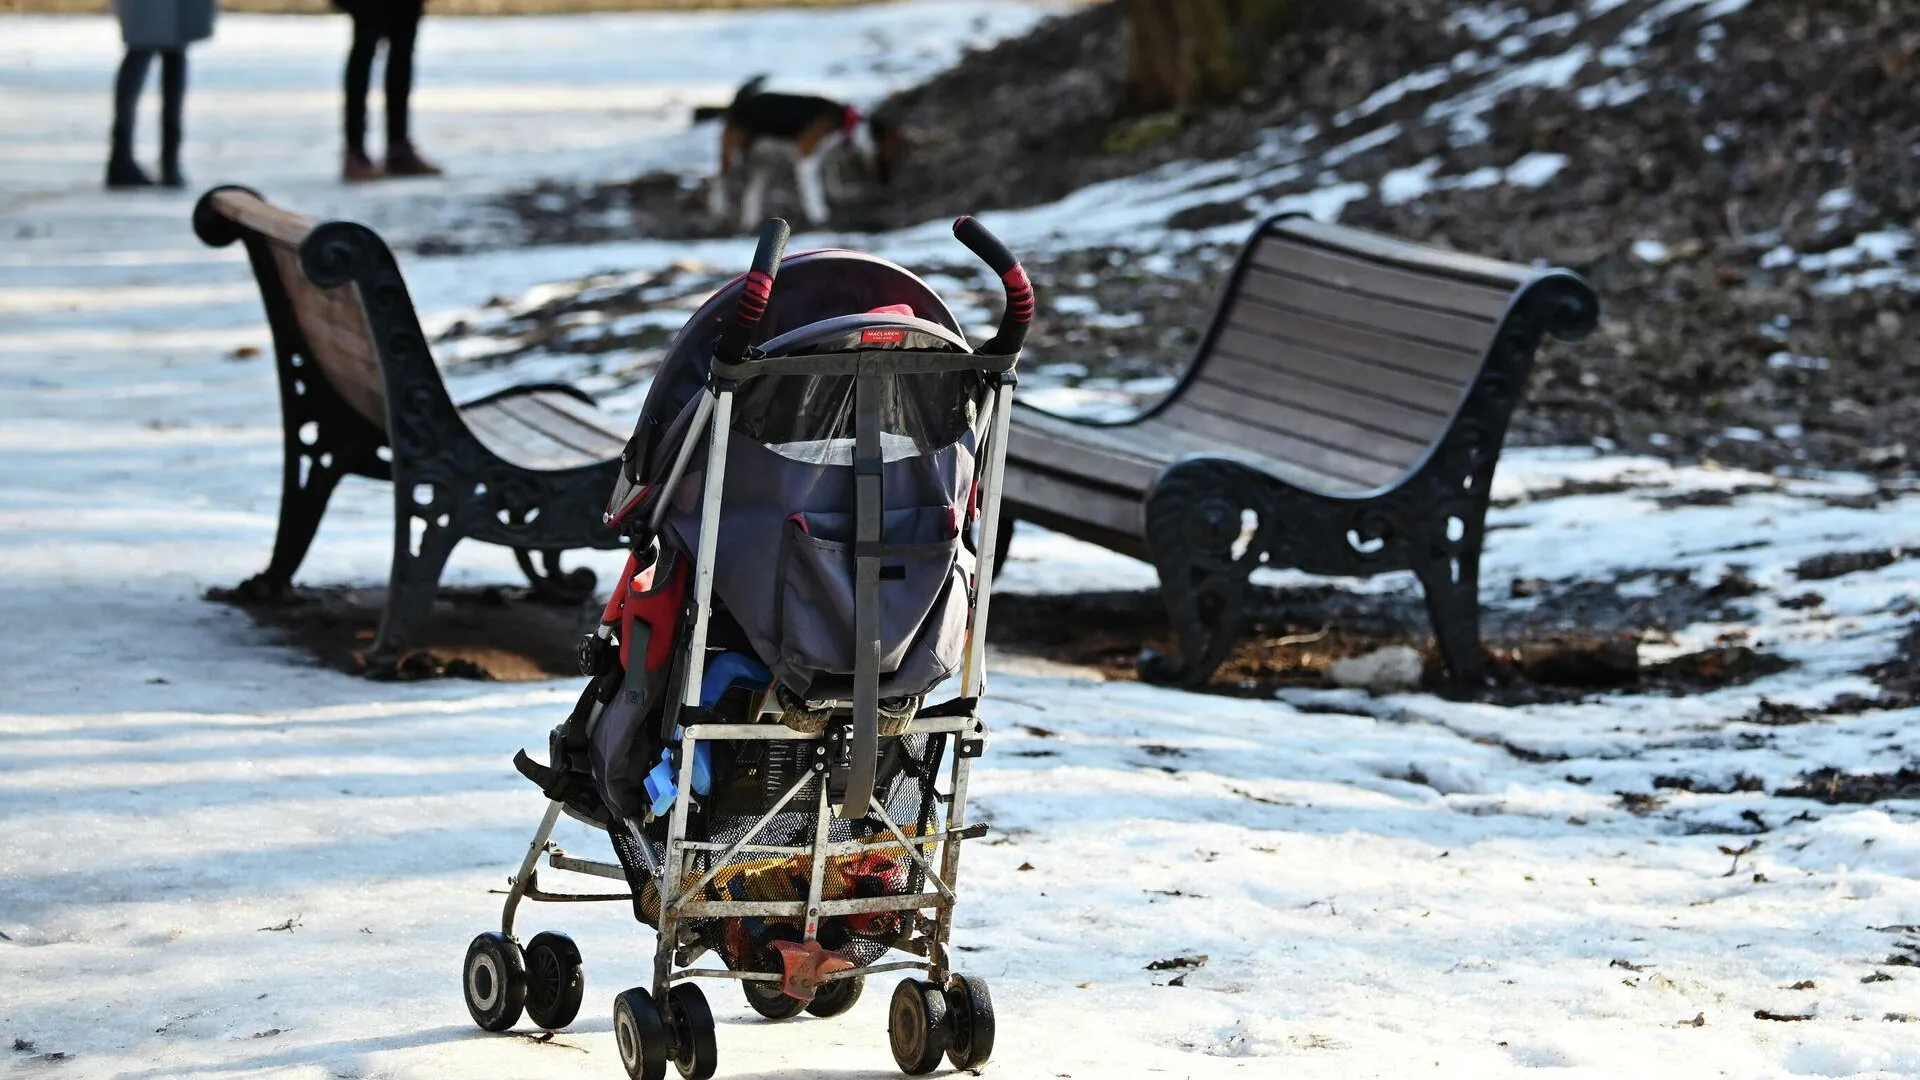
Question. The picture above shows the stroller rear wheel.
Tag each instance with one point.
(494, 979)
(837, 997)
(555, 981)
(972, 1009)
(690, 1023)
(640, 1034)
(919, 1026)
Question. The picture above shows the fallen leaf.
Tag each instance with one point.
(1763, 1014)
(1629, 966)
(1177, 980)
(1024, 866)
(1803, 984)
(1699, 1020)
(286, 926)
(1878, 976)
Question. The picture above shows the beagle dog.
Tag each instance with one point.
(761, 130)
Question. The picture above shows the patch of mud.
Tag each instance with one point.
(491, 633)
(1571, 639)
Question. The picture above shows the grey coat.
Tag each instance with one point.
(164, 24)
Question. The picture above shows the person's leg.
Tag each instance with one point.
(401, 32)
(402, 29)
(366, 38)
(121, 170)
(173, 97)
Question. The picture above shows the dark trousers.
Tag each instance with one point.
(173, 96)
(396, 23)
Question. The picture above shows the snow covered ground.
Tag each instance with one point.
(1382, 887)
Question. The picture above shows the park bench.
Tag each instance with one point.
(528, 468)
(1342, 415)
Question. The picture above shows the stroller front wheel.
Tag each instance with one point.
(555, 982)
(640, 1034)
(494, 979)
(690, 1021)
(972, 1008)
(919, 1026)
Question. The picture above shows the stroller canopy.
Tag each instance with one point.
(784, 563)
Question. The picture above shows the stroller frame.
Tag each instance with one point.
(680, 895)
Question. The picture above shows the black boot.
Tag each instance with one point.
(122, 171)
(173, 94)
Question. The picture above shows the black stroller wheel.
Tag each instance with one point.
(919, 1027)
(690, 1022)
(494, 981)
(640, 1035)
(972, 1008)
(767, 999)
(555, 981)
(837, 997)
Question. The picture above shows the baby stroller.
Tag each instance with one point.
(755, 738)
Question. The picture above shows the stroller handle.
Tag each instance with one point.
(755, 291)
(1013, 277)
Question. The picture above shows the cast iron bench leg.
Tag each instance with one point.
(1194, 519)
(1450, 577)
(415, 577)
(341, 443)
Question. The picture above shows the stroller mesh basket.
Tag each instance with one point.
(755, 736)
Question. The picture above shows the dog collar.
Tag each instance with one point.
(850, 121)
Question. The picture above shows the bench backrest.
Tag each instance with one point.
(332, 322)
(1343, 354)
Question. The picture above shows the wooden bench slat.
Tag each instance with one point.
(517, 443)
(535, 412)
(1098, 507)
(1301, 295)
(1277, 386)
(1390, 358)
(1116, 457)
(590, 415)
(281, 226)
(1266, 362)
(1416, 257)
(1284, 254)
(1186, 442)
(1132, 455)
(1336, 435)
(1233, 432)
(337, 337)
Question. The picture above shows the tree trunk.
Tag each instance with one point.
(1186, 51)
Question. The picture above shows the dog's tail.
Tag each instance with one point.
(704, 113)
(749, 88)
